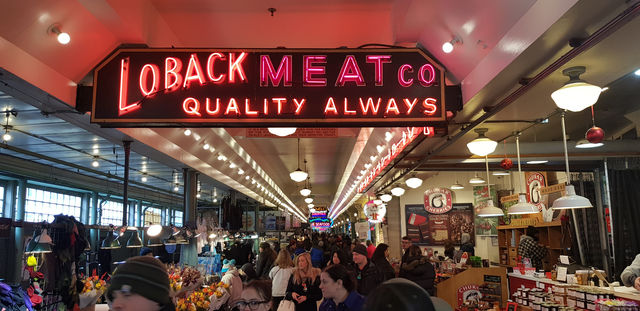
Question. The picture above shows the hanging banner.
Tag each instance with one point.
(268, 87)
(437, 200)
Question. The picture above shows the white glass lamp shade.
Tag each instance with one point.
(308, 200)
(377, 202)
(397, 191)
(490, 210)
(457, 186)
(282, 131)
(298, 175)
(571, 200)
(576, 96)
(482, 146)
(305, 192)
(584, 144)
(522, 207)
(310, 205)
(477, 180)
(154, 230)
(386, 197)
(414, 182)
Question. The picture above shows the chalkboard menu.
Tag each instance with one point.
(425, 228)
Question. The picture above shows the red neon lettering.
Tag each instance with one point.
(247, 109)
(330, 107)
(346, 108)
(430, 106)
(210, 72)
(410, 104)
(124, 86)
(232, 107)
(280, 101)
(268, 73)
(392, 106)
(365, 108)
(172, 76)
(432, 75)
(299, 105)
(311, 72)
(144, 76)
(191, 106)
(208, 106)
(404, 82)
(266, 107)
(429, 131)
(350, 72)
(194, 71)
(378, 60)
(235, 65)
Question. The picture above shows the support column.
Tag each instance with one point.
(139, 222)
(190, 178)
(9, 199)
(93, 220)
(125, 194)
(18, 233)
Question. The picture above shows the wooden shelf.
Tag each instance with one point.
(549, 235)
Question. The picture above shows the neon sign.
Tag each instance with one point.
(408, 136)
(260, 88)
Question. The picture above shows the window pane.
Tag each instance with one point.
(43, 205)
(111, 213)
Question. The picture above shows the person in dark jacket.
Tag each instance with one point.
(418, 269)
(338, 287)
(303, 287)
(316, 254)
(367, 274)
(265, 260)
(379, 258)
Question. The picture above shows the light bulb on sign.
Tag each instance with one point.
(187, 132)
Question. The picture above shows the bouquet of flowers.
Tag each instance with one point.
(220, 295)
(184, 280)
(198, 300)
(92, 290)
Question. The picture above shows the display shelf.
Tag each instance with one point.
(550, 235)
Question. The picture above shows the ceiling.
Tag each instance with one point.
(502, 42)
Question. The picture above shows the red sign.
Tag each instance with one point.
(437, 200)
(469, 293)
(318, 132)
(269, 87)
(535, 181)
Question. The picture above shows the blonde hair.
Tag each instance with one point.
(309, 273)
(283, 260)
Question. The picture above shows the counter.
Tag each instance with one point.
(516, 280)
(473, 283)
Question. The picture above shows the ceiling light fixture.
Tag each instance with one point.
(522, 207)
(187, 132)
(489, 210)
(576, 94)
(570, 200)
(397, 191)
(500, 173)
(310, 205)
(388, 136)
(308, 200)
(95, 162)
(585, 144)
(144, 178)
(457, 186)
(477, 180)
(447, 47)
(63, 37)
(282, 131)
(537, 161)
(414, 182)
(482, 145)
(299, 175)
(206, 147)
(306, 191)
(6, 136)
(385, 197)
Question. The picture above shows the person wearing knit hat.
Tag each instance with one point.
(367, 274)
(401, 294)
(140, 284)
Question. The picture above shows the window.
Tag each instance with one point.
(43, 205)
(152, 215)
(1, 200)
(177, 218)
(111, 213)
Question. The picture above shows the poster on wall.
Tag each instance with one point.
(362, 230)
(270, 221)
(249, 221)
(534, 182)
(485, 225)
(424, 228)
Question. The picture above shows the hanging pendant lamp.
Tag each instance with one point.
(134, 241)
(299, 175)
(482, 145)
(570, 200)
(522, 207)
(282, 131)
(477, 180)
(39, 244)
(576, 95)
(489, 210)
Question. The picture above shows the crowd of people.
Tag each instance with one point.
(320, 272)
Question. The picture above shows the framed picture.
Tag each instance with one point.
(512, 306)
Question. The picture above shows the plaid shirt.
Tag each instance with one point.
(529, 248)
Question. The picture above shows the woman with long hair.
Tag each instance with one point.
(338, 257)
(265, 260)
(338, 287)
(418, 268)
(279, 275)
(303, 287)
(379, 259)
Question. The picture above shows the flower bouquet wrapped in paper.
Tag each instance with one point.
(92, 290)
(220, 296)
(183, 281)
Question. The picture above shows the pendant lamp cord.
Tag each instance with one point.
(593, 118)
(298, 152)
(486, 161)
(566, 153)
(520, 175)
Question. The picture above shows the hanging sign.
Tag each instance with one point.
(375, 212)
(268, 87)
(535, 182)
(437, 200)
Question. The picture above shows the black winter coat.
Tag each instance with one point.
(385, 268)
(368, 278)
(308, 288)
(264, 264)
(419, 270)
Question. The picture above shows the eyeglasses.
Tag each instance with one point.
(252, 304)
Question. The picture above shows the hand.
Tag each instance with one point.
(636, 284)
(301, 299)
(295, 296)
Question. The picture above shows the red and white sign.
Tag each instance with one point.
(535, 181)
(437, 200)
(469, 292)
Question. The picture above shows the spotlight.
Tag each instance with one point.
(447, 47)
(63, 37)
(95, 162)
(187, 132)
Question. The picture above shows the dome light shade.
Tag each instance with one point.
(298, 175)
(477, 180)
(584, 144)
(414, 182)
(386, 197)
(154, 230)
(310, 205)
(40, 244)
(457, 186)
(482, 145)
(134, 241)
(377, 201)
(305, 192)
(308, 200)
(522, 207)
(490, 210)
(500, 173)
(397, 191)
(576, 95)
(571, 200)
(282, 131)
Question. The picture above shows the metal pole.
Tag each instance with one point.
(125, 195)
(608, 203)
(566, 163)
(604, 245)
(520, 175)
